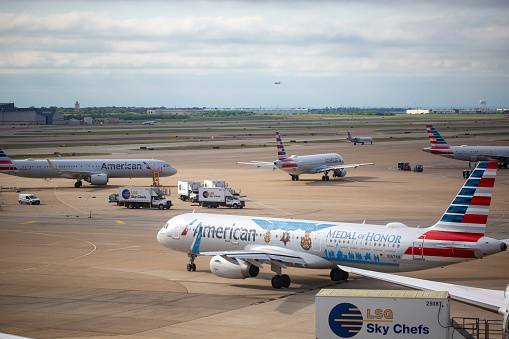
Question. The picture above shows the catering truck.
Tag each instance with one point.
(136, 197)
(342, 313)
(188, 190)
(213, 197)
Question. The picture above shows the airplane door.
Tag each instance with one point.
(176, 232)
(418, 249)
(317, 241)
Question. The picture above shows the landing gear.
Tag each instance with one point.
(78, 184)
(191, 266)
(337, 274)
(279, 281)
(325, 176)
(295, 177)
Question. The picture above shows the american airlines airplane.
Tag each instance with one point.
(96, 172)
(241, 245)
(360, 140)
(306, 164)
(467, 153)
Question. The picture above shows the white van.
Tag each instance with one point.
(28, 199)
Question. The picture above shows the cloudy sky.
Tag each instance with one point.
(364, 53)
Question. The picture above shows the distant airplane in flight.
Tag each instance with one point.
(241, 245)
(467, 153)
(277, 83)
(306, 164)
(96, 172)
(360, 140)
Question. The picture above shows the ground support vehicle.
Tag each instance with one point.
(213, 197)
(136, 197)
(188, 190)
(28, 199)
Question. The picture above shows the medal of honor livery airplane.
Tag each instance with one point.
(360, 140)
(306, 164)
(467, 153)
(241, 245)
(96, 172)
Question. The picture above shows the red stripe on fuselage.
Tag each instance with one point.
(8, 168)
(441, 252)
(451, 236)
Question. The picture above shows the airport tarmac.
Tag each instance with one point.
(77, 266)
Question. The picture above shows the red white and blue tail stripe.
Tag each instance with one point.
(284, 161)
(281, 153)
(468, 213)
(438, 144)
(6, 163)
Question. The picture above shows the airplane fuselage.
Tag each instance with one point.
(391, 248)
(470, 153)
(128, 168)
(308, 164)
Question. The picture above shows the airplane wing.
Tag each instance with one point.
(259, 164)
(259, 256)
(331, 168)
(492, 300)
(500, 158)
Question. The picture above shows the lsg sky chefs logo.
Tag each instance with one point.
(346, 320)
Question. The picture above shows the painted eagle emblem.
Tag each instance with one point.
(285, 237)
(266, 238)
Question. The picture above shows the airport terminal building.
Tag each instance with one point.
(12, 115)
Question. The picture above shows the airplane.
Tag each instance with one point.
(277, 83)
(467, 153)
(96, 172)
(150, 123)
(306, 164)
(360, 140)
(241, 245)
(491, 300)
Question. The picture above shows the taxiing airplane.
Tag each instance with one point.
(360, 140)
(241, 245)
(96, 172)
(467, 153)
(306, 164)
(150, 123)
(492, 300)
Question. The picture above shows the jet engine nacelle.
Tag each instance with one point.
(340, 172)
(98, 179)
(232, 269)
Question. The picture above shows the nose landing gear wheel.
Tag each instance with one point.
(191, 267)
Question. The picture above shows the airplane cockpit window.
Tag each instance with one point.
(166, 225)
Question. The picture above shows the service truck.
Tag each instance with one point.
(219, 196)
(136, 197)
(188, 190)
(28, 199)
(215, 183)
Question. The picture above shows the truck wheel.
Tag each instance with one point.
(20, 202)
(168, 207)
(130, 206)
(161, 206)
(235, 206)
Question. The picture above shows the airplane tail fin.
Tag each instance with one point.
(349, 136)
(6, 163)
(468, 213)
(435, 138)
(281, 153)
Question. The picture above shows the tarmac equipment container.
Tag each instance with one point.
(344, 313)
(214, 183)
(136, 197)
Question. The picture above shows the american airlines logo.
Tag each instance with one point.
(331, 160)
(125, 165)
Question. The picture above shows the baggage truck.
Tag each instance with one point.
(136, 197)
(342, 313)
(213, 197)
(188, 190)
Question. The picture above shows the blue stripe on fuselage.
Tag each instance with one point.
(290, 225)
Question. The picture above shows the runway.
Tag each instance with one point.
(78, 267)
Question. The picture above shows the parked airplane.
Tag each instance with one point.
(360, 140)
(306, 164)
(467, 153)
(492, 300)
(242, 244)
(150, 123)
(96, 172)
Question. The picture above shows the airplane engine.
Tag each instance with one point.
(98, 179)
(223, 268)
(340, 172)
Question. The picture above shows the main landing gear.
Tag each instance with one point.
(295, 177)
(325, 176)
(279, 280)
(191, 266)
(78, 184)
(337, 274)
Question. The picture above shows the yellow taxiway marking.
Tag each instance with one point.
(120, 222)
(27, 222)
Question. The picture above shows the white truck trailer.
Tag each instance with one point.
(214, 183)
(213, 197)
(188, 190)
(136, 197)
(344, 313)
